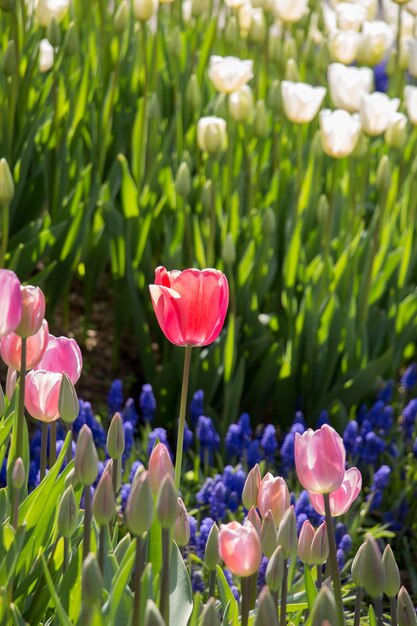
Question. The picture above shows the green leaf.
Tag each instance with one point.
(227, 597)
(129, 190)
(61, 614)
(310, 587)
(180, 592)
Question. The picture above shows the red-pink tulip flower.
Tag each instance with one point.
(33, 311)
(11, 302)
(240, 548)
(11, 348)
(63, 356)
(320, 459)
(42, 395)
(342, 498)
(273, 494)
(159, 465)
(191, 305)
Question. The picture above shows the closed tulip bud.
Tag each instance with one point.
(357, 567)
(210, 616)
(10, 59)
(229, 257)
(175, 44)
(255, 520)
(290, 49)
(86, 459)
(72, 45)
(104, 505)
(372, 572)
(67, 513)
(304, 543)
(2, 402)
(287, 533)
(324, 609)
(231, 31)
(152, 615)
(70, 478)
(208, 195)
(396, 133)
(406, 614)
(275, 570)
(143, 10)
(193, 94)
(275, 46)
(46, 56)
(140, 506)
(274, 98)
(291, 71)
(92, 581)
(116, 437)
(160, 465)
(6, 183)
(68, 404)
(241, 104)
(166, 506)
(54, 34)
(121, 17)
(268, 535)
(267, 613)
(212, 134)
(268, 222)
(183, 183)
(258, 28)
(211, 555)
(18, 474)
(273, 494)
(320, 545)
(384, 175)
(260, 120)
(251, 487)
(182, 525)
(392, 579)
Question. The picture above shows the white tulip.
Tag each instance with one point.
(377, 38)
(412, 7)
(339, 132)
(47, 10)
(370, 6)
(348, 84)
(290, 11)
(144, 9)
(229, 74)
(350, 16)
(376, 111)
(236, 4)
(390, 12)
(46, 56)
(211, 134)
(329, 18)
(410, 94)
(301, 101)
(344, 45)
(244, 17)
(396, 133)
(241, 104)
(412, 57)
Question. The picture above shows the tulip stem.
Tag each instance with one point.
(378, 611)
(21, 405)
(15, 507)
(5, 232)
(87, 521)
(115, 473)
(334, 569)
(358, 601)
(299, 162)
(319, 579)
(66, 554)
(164, 606)
(44, 444)
(181, 424)
(69, 449)
(245, 588)
(212, 583)
(101, 547)
(52, 444)
(139, 567)
(393, 610)
(252, 583)
(283, 613)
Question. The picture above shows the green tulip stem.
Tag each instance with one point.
(358, 601)
(15, 507)
(245, 588)
(319, 579)
(115, 474)
(21, 405)
(212, 583)
(181, 424)
(164, 602)
(69, 449)
(253, 582)
(378, 611)
(44, 444)
(102, 547)
(52, 444)
(66, 554)
(139, 567)
(284, 592)
(299, 161)
(4, 232)
(393, 610)
(87, 521)
(334, 569)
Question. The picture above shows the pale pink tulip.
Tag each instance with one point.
(273, 494)
(240, 548)
(320, 459)
(42, 395)
(33, 311)
(11, 348)
(342, 498)
(11, 302)
(159, 466)
(63, 356)
(305, 541)
(11, 382)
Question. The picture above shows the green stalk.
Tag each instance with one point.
(4, 233)
(245, 600)
(102, 547)
(44, 444)
(66, 554)
(284, 592)
(252, 584)
(212, 583)
(393, 610)
(21, 405)
(115, 474)
(334, 569)
(69, 450)
(319, 579)
(181, 425)
(52, 444)
(299, 161)
(358, 601)
(164, 602)
(139, 567)
(15, 507)
(378, 611)
(87, 521)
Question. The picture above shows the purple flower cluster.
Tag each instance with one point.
(223, 492)
(242, 445)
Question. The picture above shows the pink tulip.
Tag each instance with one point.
(191, 305)
(320, 459)
(240, 548)
(341, 499)
(63, 356)
(11, 382)
(159, 466)
(11, 302)
(33, 311)
(11, 348)
(273, 494)
(305, 541)
(42, 395)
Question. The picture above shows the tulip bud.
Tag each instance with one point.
(67, 513)
(70, 479)
(144, 9)
(207, 196)
(116, 437)
(241, 104)
(231, 31)
(104, 505)
(290, 49)
(18, 474)
(160, 465)
(357, 567)
(121, 17)
(175, 44)
(383, 175)
(323, 212)
(229, 253)
(140, 506)
(166, 506)
(92, 581)
(6, 183)
(406, 614)
(68, 404)
(10, 59)
(274, 98)
(193, 94)
(372, 572)
(258, 28)
(396, 133)
(183, 182)
(291, 71)
(86, 459)
(287, 533)
(392, 580)
(152, 615)
(211, 134)
(268, 535)
(254, 519)
(210, 616)
(304, 543)
(274, 47)
(320, 546)
(72, 45)
(268, 222)
(275, 570)
(260, 120)
(54, 34)
(211, 556)
(46, 56)
(182, 525)
(324, 609)
(251, 487)
(267, 613)
(2, 402)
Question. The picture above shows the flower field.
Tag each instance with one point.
(235, 181)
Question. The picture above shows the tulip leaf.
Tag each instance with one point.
(310, 587)
(227, 597)
(180, 592)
